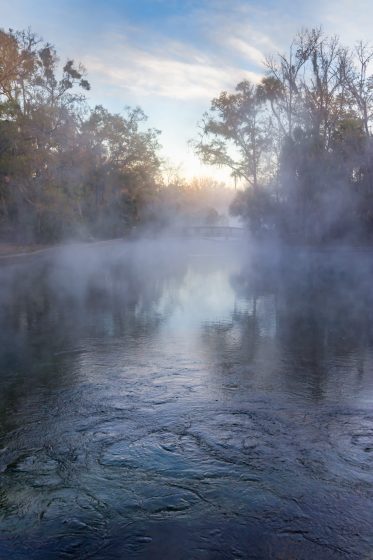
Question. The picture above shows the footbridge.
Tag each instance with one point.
(224, 232)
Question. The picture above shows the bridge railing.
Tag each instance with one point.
(227, 232)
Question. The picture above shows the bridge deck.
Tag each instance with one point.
(213, 231)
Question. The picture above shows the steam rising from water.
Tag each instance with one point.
(167, 399)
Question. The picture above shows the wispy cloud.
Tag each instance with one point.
(350, 19)
(173, 71)
(251, 53)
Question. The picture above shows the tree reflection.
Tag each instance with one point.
(324, 305)
(51, 307)
(298, 320)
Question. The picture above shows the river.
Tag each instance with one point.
(166, 400)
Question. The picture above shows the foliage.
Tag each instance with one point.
(66, 169)
(179, 202)
(302, 141)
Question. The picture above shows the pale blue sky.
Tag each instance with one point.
(171, 57)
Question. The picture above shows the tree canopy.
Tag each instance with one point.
(66, 168)
(301, 139)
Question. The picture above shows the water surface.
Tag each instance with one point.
(166, 400)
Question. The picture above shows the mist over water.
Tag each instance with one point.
(186, 400)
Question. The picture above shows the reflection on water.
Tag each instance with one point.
(167, 401)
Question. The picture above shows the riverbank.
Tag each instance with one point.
(11, 249)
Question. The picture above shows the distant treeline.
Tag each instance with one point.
(68, 170)
(301, 140)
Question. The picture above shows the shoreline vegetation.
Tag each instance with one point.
(298, 143)
(71, 171)
(301, 139)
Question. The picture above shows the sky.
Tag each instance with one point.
(171, 57)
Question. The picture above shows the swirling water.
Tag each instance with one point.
(164, 400)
